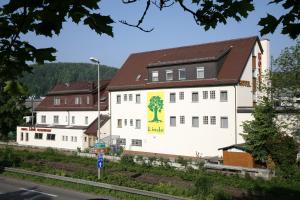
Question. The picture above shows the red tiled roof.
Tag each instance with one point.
(237, 53)
(92, 128)
(70, 91)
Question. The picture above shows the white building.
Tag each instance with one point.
(190, 100)
(67, 118)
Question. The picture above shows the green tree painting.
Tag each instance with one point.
(156, 105)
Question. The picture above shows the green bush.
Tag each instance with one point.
(8, 158)
(127, 160)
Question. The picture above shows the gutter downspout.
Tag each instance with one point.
(235, 116)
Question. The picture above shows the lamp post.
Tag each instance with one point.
(95, 60)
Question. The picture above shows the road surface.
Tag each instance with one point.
(15, 189)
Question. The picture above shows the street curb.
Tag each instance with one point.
(97, 184)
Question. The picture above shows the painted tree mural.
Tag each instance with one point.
(156, 104)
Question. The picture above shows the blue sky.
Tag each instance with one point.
(172, 28)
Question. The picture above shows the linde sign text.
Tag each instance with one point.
(155, 112)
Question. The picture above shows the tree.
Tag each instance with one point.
(260, 130)
(267, 142)
(286, 86)
(156, 104)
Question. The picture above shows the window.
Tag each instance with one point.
(130, 97)
(224, 122)
(195, 121)
(212, 94)
(118, 99)
(65, 138)
(131, 122)
(86, 120)
(200, 72)
(125, 122)
(223, 96)
(205, 94)
(73, 119)
(119, 123)
(181, 95)
(182, 119)
(169, 75)
(55, 119)
(172, 97)
(78, 100)
(138, 124)
(27, 137)
(137, 98)
(172, 121)
(43, 119)
(38, 136)
(75, 139)
(121, 141)
(181, 74)
(22, 136)
(56, 101)
(195, 97)
(85, 139)
(205, 119)
(125, 97)
(72, 138)
(213, 120)
(65, 100)
(137, 143)
(87, 100)
(155, 76)
(50, 136)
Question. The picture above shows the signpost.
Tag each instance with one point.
(100, 164)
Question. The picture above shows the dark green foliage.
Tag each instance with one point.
(260, 130)
(284, 151)
(44, 77)
(127, 159)
(203, 186)
(8, 158)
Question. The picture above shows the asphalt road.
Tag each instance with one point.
(15, 189)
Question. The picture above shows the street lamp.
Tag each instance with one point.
(95, 60)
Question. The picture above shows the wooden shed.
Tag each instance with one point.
(237, 155)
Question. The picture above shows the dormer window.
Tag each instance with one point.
(181, 74)
(155, 76)
(56, 101)
(200, 72)
(169, 75)
(78, 100)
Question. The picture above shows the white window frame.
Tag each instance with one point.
(222, 99)
(137, 98)
(56, 101)
(37, 136)
(138, 124)
(222, 123)
(118, 99)
(136, 142)
(213, 120)
(181, 95)
(212, 94)
(125, 97)
(86, 120)
(205, 94)
(130, 97)
(172, 121)
(55, 119)
(131, 122)
(195, 124)
(195, 100)
(73, 119)
(179, 76)
(200, 70)
(171, 95)
(50, 136)
(155, 76)
(119, 123)
(169, 72)
(182, 120)
(87, 100)
(43, 119)
(78, 100)
(205, 120)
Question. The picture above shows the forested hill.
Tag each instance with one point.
(45, 77)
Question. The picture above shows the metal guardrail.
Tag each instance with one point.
(97, 184)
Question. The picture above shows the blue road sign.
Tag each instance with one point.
(100, 161)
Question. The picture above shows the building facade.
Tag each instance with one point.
(66, 118)
(187, 100)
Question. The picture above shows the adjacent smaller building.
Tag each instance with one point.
(67, 118)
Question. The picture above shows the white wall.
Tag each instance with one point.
(182, 139)
(57, 143)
